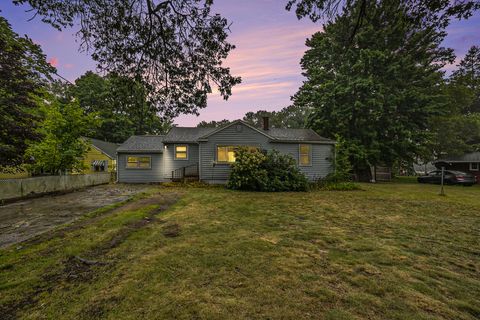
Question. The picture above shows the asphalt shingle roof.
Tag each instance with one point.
(186, 134)
(109, 148)
(288, 134)
(142, 144)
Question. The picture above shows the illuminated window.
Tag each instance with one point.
(181, 152)
(226, 154)
(138, 162)
(305, 158)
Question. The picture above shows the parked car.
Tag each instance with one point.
(450, 177)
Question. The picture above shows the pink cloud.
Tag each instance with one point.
(68, 65)
(53, 61)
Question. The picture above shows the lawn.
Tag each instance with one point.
(390, 251)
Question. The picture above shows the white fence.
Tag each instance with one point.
(18, 188)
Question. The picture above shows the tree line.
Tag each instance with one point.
(374, 78)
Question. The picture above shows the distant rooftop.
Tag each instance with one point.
(467, 157)
(109, 148)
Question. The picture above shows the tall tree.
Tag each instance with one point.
(468, 76)
(176, 47)
(61, 147)
(24, 71)
(121, 104)
(458, 130)
(378, 90)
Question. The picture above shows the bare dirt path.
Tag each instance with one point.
(22, 220)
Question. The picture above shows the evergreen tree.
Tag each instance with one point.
(24, 73)
(379, 89)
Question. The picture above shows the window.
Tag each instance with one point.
(474, 166)
(305, 158)
(99, 165)
(181, 152)
(139, 162)
(226, 154)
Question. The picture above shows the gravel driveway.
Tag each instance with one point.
(24, 219)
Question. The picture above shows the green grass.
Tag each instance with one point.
(390, 251)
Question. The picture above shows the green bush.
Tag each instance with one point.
(265, 171)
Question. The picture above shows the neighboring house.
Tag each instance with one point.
(207, 153)
(423, 168)
(101, 157)
(469, 162)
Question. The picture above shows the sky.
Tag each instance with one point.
(269, 41)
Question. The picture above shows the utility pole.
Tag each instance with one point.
(442, 191)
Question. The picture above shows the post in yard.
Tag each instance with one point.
(442, 192)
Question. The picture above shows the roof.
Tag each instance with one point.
(147, 143)
(296, 135)
(280, 134)
(151, 143)
(186, 134)
(467, 157)
(108, 148)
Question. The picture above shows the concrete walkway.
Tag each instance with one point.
(22, 220)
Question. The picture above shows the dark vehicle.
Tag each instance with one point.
(450, 177)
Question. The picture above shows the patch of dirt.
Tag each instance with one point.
(171, 230)
(24, 220)
(87, 267)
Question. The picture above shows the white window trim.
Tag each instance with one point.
(471, 167)
(310, 155)
(175, 152)
(137, 156)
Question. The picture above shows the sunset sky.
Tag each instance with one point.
(270, 43)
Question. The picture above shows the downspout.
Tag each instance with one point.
(116, 168)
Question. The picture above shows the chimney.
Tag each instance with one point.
(265, 123)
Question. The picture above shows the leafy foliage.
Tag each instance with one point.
(175, 47)
(121, 104)
(288, 117)
(433, 12)
(457, 129)
(269, 171)
(61, 147)
(24, 73)
(380, 92)
(213, 124)
(343, 167)
(468, 76)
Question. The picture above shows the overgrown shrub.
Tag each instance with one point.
(265, 171)
(247, 172)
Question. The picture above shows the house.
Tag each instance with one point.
(423, 168)
(101, 157)
(206, 154)
(469, 162)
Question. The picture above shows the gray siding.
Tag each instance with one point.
(322, 157)
(154, 174)
(171, 164)
(210, 171)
